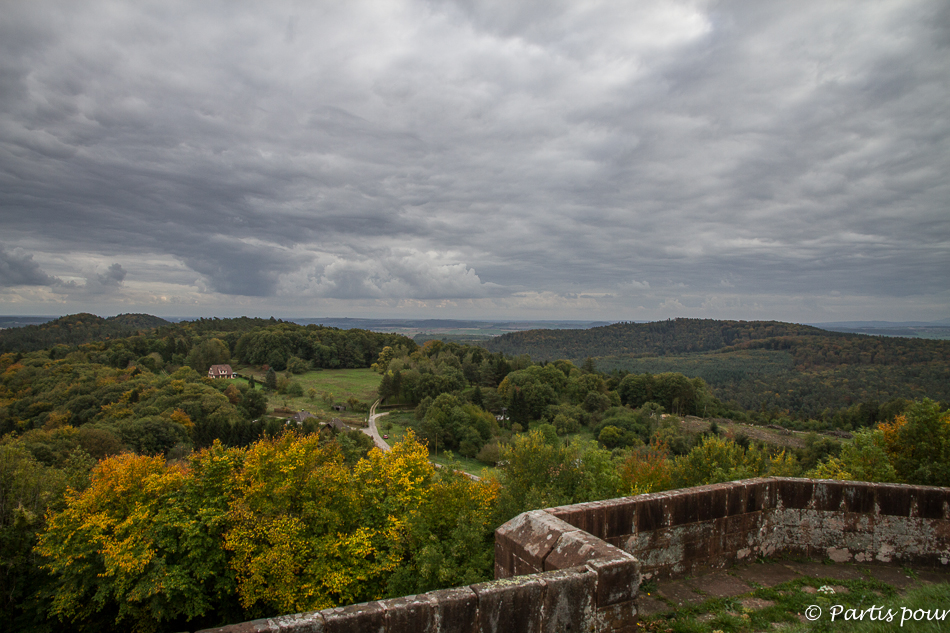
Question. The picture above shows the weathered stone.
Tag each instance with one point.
(618, 578)
(588, 517)
(523, 567)
(620, 617)
(409, 614)
(576, 548)
(368, 617)
(794, 494)
(737, 497)
(932, 502)
(568, 603)
(504, 563)
(301, 623)
(650, 515)
(893, 500)
(618, 518)
(743, 523)
(858, 498)
(509, 605)
(828, 496)
(597, 519)
(679, 510)
(572, 514)
(530, 536)
(719, 502)
(455, 610)
(764, 495)
(253, 626)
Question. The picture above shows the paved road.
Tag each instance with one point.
(372, 431)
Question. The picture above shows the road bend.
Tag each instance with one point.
(383, 445)
(372, 431)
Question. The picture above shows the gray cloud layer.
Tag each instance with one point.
(605, 160)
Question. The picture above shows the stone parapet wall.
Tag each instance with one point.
(578, 568)
(674, 533)
(550, 602)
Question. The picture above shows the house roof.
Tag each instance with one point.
(300, 416)
(337, 424)
(220, 369)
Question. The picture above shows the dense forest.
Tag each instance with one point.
(771, 370)
(136, 493)
(75, 329)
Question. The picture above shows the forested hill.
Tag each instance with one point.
(75, 329)
(677, 336)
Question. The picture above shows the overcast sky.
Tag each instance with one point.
(500, 159)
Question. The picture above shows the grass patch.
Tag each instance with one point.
(934, 599)
(787, 603)
(395, 424)
(465, 464)
(340, 384)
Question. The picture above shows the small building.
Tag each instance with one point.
(220, 371)
(300, 416)
(339, 407)
(336, 425)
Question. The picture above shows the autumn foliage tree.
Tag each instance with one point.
(141, 546)
(647, 469)
(451, 535)
(918, 444)
(306, 536)
(282, 526)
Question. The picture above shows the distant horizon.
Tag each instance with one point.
(178, 318)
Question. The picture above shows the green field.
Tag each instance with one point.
(341, 384)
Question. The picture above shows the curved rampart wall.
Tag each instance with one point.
(578, 568)
(673, 533)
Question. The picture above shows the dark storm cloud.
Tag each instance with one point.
(18, 269)
(643, 153)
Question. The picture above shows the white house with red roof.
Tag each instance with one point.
(220, 371)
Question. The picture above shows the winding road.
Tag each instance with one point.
(383, 445)
(372, 430)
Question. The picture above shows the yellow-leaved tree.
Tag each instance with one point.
(307, 533)
(140, 547)
(295, 500)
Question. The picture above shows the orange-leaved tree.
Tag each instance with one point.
(918, 444)
(647, 469)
